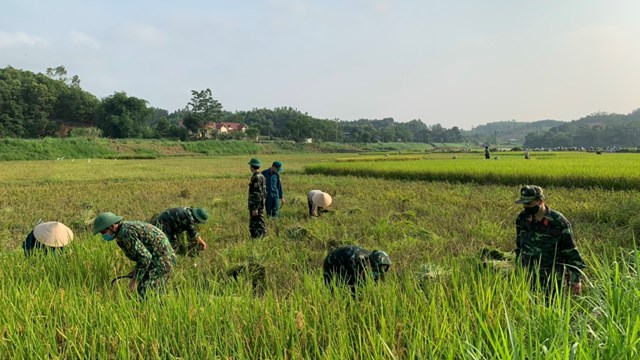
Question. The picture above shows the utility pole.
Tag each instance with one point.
(495, 135)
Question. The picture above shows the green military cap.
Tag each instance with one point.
(530, 193)
(200, 214)
(104, 220)
(255, 162)
(278, 165)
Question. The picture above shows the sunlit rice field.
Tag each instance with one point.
(608, 171)
(437, 303)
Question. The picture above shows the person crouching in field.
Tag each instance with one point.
(144, 244)
(545, 245)
(175, 221)
(49, 236)
(350, 265)
(318, 202)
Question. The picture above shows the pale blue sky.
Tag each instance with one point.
(458, 63)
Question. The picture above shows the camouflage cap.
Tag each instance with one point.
(530, 193)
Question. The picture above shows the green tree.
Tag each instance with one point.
(203, 109)
(195, 122)
(404, 133)
(388, 134)
(202, 102)
(252, 133)
(121, 116)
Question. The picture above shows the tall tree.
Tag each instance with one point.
(202, 102)
(121, 116)
(203, 109)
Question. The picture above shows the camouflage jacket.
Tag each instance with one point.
(176, 220)
(273, 184)
(547, 244)
(349, 260)
(257, 192)
(147, 246)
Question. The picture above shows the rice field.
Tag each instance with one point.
(608, 171)
(436, 303)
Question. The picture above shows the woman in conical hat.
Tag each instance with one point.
(318, 201)
(47, 236)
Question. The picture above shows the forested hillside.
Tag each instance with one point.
(53, 104)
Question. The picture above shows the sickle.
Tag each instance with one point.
(128, 276)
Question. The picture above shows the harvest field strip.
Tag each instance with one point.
(437, 302)
(580, 170)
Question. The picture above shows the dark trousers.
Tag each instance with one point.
(273, 206)
(257, 226)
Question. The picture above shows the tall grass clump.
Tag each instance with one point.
(65, 307)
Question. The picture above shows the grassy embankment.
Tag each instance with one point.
(436, 303)
(84, 148)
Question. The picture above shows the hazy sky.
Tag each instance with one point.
(458, 63)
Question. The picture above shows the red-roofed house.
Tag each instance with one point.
(212, 128)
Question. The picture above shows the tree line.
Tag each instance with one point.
(46, 105)
(54, 105)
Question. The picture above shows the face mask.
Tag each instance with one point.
(108, 237)
(532, 210)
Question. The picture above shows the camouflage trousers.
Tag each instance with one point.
(155, 279)
(257, 226)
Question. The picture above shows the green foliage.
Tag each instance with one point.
(596, 130)
(34, 105)
(203, 103)
(213, 147)
(120, 116)
(195, 123)
(51, 148)
(203, 109)
(505, 130)
(85, 132)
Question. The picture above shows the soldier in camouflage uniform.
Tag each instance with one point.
(176, 221)
(349, 265)
(256, 200)
(144, 244)
(545, 245)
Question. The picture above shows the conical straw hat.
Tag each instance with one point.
(322, 199)
(53, 233)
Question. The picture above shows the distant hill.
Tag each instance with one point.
(512, 129)
(596, 130)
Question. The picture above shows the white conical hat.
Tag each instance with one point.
(53, 233)
(322, 199)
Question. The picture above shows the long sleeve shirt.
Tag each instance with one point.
(547, 244)
(176, 220)
(257, 192)
(147, 246)
(273, 183)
